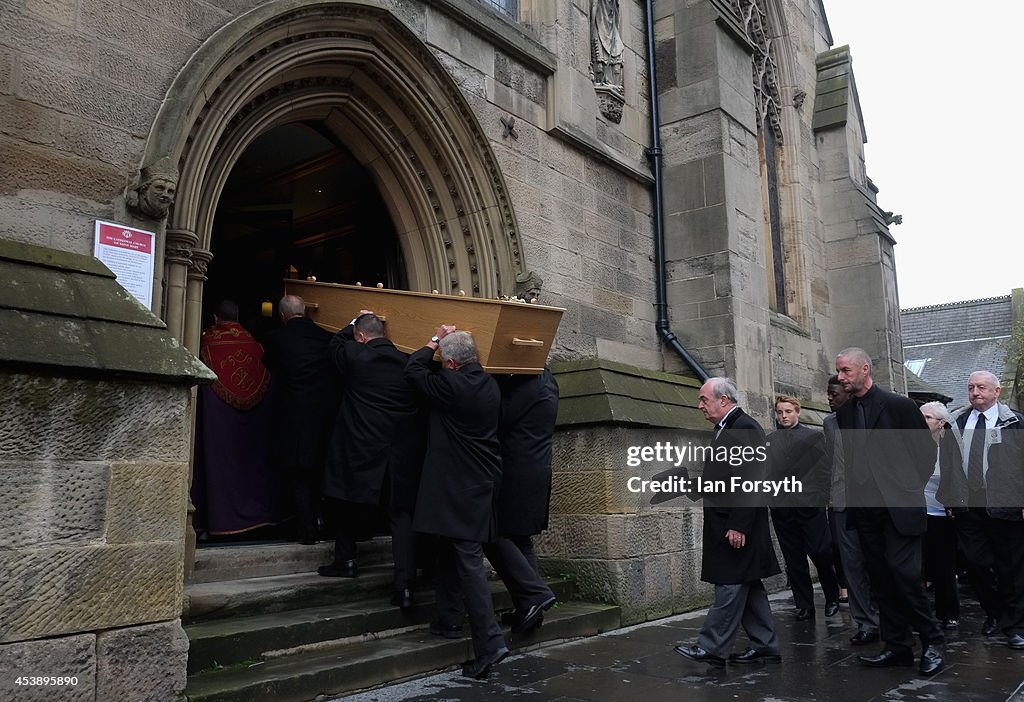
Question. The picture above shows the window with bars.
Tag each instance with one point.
(505, 7)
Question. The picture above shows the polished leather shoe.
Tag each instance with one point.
(533, 617)
(481, 665)
(889, 658)
(803, 615)
(403, 598)
(696, 653)
(864, 636)
(1016, 642)
(931, 659)
(345, 569)
(449, 632)
(950, 624)
(752, 655)
(990, 626)
(831, 609)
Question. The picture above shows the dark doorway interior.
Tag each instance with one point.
(297, 204)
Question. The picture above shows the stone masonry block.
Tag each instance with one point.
(48, 503)
(67, 656)
(96, 420)
(697, 233)
(584, 492)
(28, 121)
(144, 663)
(27, 166)
(61, 591)
(452, 38)
(147, 503)
(37, 38)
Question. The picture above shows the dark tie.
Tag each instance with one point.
(860, 420)
(859, 467)
(976, 457)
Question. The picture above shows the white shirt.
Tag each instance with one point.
(991, 417)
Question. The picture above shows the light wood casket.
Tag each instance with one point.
(511, 337)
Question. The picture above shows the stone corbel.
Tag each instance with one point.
(154, 191)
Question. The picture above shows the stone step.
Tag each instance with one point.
(217, 563)
(230, 641)
(350, 667)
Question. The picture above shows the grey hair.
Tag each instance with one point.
(292, 306)
(857, 355)
(459, 347)
(939, 410)
(991, 376)
(724, 387)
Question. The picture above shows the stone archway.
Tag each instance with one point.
(361, 71)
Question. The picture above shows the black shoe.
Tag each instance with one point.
(950, 624)
(931, 659)
(831, 609)
(481, 665)
(533, 617)
(403, 598)
(990, 626)
(802, 615)
(507, 618)
(345, 569)
(864, 636)
(1016, 642)
(449, 632)
(696, 653)
(889, 658)
(754, 656)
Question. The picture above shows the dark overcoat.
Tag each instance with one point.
(895, 455)
(306, 393)
(529, 406)
(462, 467)
(742, 511)
(376, 433)
(799, 453)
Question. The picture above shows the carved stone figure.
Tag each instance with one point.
(528, 285)
(154, 194)
(606, 57)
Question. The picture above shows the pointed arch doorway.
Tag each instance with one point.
(364, 80)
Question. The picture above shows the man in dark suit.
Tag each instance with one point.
(796, 451)
(889, 456)
(461, 472)
(373, 458)
(982, 484)
(305, 406)
(737, 544)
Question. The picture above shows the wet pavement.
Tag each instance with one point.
(637, 664)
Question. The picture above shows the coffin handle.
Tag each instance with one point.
(516, 341)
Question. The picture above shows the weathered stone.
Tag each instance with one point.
(71, 657)
(145, 663)
(147, 502)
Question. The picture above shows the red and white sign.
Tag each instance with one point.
(129, 253)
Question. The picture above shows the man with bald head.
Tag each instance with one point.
(889, 456)
(305, 405)
(982, 485)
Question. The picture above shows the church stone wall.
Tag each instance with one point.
(92, 536)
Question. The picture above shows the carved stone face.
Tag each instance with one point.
(156, 197)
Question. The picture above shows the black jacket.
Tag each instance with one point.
(462, 468)
(529, 407)
(741, 511)
(800, 453)
(376, 433)
(896, 453)
(1005, 477)
(306, 393)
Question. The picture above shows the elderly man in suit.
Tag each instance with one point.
(889, 456)
(374, 454)
(737, 545)
(982, 484)
(461, 473)
(305, 407)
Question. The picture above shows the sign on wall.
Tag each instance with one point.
(130, 254)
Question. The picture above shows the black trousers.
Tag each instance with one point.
(837, 559)
(940, 566)
(994, 551)
(893, 562)
(354, 521)
(461, 575)
(804, 533)
(521, 579)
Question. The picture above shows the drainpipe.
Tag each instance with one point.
(661, 304)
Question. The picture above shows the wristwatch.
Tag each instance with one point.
(435, 339)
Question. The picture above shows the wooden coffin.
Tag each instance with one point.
(511, 337)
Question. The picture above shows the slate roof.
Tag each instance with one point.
(956, 338)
